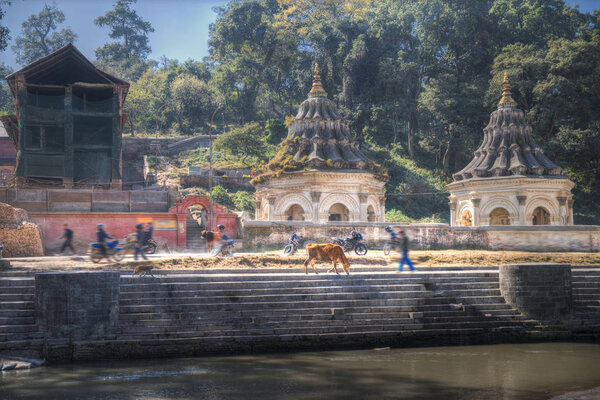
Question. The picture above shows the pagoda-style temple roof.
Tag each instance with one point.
(66, 66)
(319, 138)
(508, 147)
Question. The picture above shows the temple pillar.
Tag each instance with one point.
(315, 198)
(363, 206)
(476, 216)
(381, 217)
(521, 199)
(271, 200)
(570, 212)
(562, 210)
(452, 205)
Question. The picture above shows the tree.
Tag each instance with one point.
(192, 103)
(130, 52)
(147, 102)
(276, 131)
(39, 36)
(246, 141)
(4, 32)
(7, 102)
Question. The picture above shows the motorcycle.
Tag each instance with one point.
(112, 250)
(223, 249)
(293, 244)
(352, 243)
(149, 247)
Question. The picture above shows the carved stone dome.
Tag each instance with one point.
(508, 147)
(319, 138)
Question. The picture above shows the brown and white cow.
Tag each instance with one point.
(326, 252)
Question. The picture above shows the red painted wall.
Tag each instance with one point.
(169, 227)
(116, 224)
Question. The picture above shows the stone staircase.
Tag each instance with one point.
(18, 330)
(585, 282)
(194, 241)
(228, 311)
(293, 306)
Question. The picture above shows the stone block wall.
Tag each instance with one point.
(272, 234)
(540, 291)
(76, 305)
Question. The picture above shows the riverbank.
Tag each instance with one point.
(495, 372)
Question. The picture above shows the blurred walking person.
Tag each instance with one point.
(404, 249)
(140, 238)
(68, 236)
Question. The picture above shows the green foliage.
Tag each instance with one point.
(396, 216)
(192, 103)
(223, 197)
(276, 131)
(39, 36)
(4, 32)
(244, 201)
(246, 142)
(131, 48)
(7, 102)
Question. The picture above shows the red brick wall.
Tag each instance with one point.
(116, 224)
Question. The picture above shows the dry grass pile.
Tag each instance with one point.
(491, 258)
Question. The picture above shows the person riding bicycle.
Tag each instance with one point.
(393, 235)
(101, 237)
(224, 238)
(295, 238)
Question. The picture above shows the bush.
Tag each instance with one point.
(396, 216)
(223, 197)
(244, 201)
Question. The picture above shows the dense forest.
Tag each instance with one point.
(416, 79)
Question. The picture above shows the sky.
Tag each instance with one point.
(180, 26)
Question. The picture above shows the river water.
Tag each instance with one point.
(507, 372)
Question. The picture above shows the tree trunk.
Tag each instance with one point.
(446, 160)
(412, 129)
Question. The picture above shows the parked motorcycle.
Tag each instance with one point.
(223, 249)
(294, 243)
(112, 251)
(352, 243)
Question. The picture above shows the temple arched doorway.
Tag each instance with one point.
(295, 212)
(339, 212)
(541, 216)
(371, 217)
(499, 216)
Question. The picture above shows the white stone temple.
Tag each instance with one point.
(320, 174)
(510, 181)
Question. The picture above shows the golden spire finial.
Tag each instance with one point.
(506, 94)
(317, 87)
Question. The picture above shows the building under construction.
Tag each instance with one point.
(67, 129)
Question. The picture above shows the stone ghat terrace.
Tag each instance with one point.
(111, 315)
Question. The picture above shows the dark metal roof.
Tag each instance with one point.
(66, 66)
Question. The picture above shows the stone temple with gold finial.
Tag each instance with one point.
(320, 173)
(510, 181)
